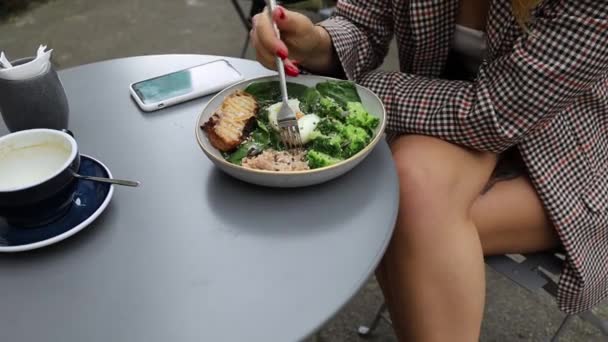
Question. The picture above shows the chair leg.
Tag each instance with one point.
(246, 24)
(245, 46)
(561, 328)
(241, 14)
(597, 322)
(366, 330)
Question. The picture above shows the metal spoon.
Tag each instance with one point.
(107, 180)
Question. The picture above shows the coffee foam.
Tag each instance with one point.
(24, 166)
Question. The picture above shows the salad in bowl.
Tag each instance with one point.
(339, 122)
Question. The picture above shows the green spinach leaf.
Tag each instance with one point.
(260, 139)
(267, 93)
(309, 103)
(342, 92)
(243, 151)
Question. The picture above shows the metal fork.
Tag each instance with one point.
(286, 118)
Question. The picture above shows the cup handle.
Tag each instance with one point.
(64, 130)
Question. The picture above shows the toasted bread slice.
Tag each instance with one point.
(230, 125)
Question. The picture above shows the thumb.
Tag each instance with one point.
(290, 22)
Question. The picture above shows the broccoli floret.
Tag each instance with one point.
(328, 107)
(357, 139)
(359, 117)
(318, 159)
(330, 125)
(330, 144)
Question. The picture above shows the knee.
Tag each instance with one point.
(429, 186)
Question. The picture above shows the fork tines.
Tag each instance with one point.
(290, 134)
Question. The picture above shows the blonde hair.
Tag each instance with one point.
(522, 9)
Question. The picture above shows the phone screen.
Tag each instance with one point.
(207, 78)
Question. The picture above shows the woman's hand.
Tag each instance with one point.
(301, 43)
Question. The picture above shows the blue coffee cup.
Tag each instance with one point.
(37, 180)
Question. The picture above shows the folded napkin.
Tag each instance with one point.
(38, 66)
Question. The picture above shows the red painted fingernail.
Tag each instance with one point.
(282, 53)
(291, 71)
(281, 12)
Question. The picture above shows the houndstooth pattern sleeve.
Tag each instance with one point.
(361, 32)
(563, 56)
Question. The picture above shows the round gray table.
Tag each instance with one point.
(192, 255)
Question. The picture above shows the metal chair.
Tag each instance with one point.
(534, 272)
(323, 8)
(246, 19)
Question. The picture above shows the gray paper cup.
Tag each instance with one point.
(38, 102)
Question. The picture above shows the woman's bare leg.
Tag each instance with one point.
(433, 272)
(510, 218)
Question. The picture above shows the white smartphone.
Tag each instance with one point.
(183, 85)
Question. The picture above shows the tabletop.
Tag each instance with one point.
(193, 254)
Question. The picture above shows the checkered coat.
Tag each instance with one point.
(544, 91)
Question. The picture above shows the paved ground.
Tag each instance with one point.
(85, 31)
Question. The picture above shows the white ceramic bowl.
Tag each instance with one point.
(288, 179)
